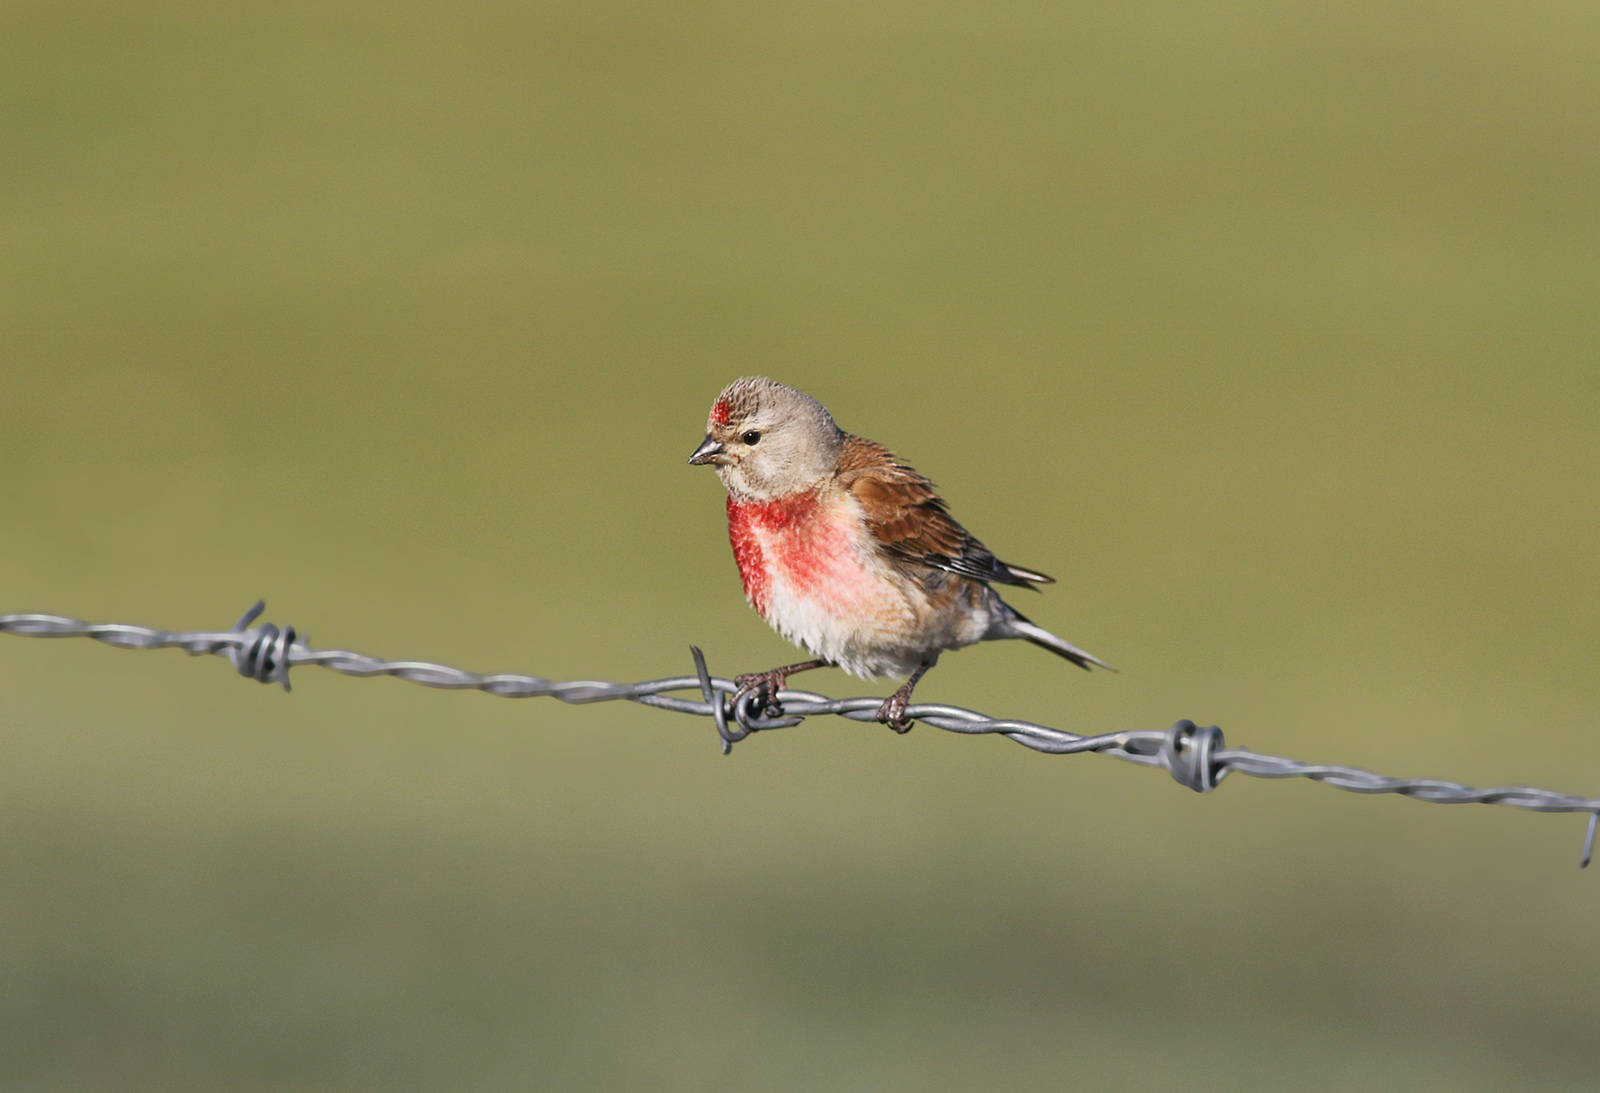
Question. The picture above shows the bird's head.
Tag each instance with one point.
(768, 441)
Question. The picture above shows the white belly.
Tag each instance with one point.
(843, 602)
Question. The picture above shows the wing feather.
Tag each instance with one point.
(909, 518)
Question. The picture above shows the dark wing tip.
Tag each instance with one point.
(1027, 578)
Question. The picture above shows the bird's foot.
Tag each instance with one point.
(766, 685)
(893, 711)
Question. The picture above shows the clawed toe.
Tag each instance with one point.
(893, 714)
(893, 711)
(766, 685)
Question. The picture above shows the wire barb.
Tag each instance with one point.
(719, 712)
(1189, 753)
(1195, 757)
(266, 657)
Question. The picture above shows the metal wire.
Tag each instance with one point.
(1195, 757)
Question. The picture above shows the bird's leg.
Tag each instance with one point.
(893, 711)
(771, 682)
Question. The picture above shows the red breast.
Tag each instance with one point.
(787, 526)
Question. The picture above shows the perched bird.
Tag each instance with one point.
(850, 553)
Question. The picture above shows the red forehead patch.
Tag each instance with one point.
(719, 412)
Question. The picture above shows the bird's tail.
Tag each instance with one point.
(1017, 626)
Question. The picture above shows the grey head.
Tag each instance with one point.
(768, 441)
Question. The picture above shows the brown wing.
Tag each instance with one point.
(911, 521)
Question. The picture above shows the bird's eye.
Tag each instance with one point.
(751, 437)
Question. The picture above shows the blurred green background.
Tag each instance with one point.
(1271, 330)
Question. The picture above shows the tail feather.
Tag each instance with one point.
(1020, 627)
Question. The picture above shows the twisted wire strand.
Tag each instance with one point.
(1194, 756)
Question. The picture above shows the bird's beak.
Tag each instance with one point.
(708, 451)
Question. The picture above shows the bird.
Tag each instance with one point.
(851, 554)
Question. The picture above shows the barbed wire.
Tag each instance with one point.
(1195, 757)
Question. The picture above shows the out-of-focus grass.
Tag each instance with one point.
(1271, 332)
